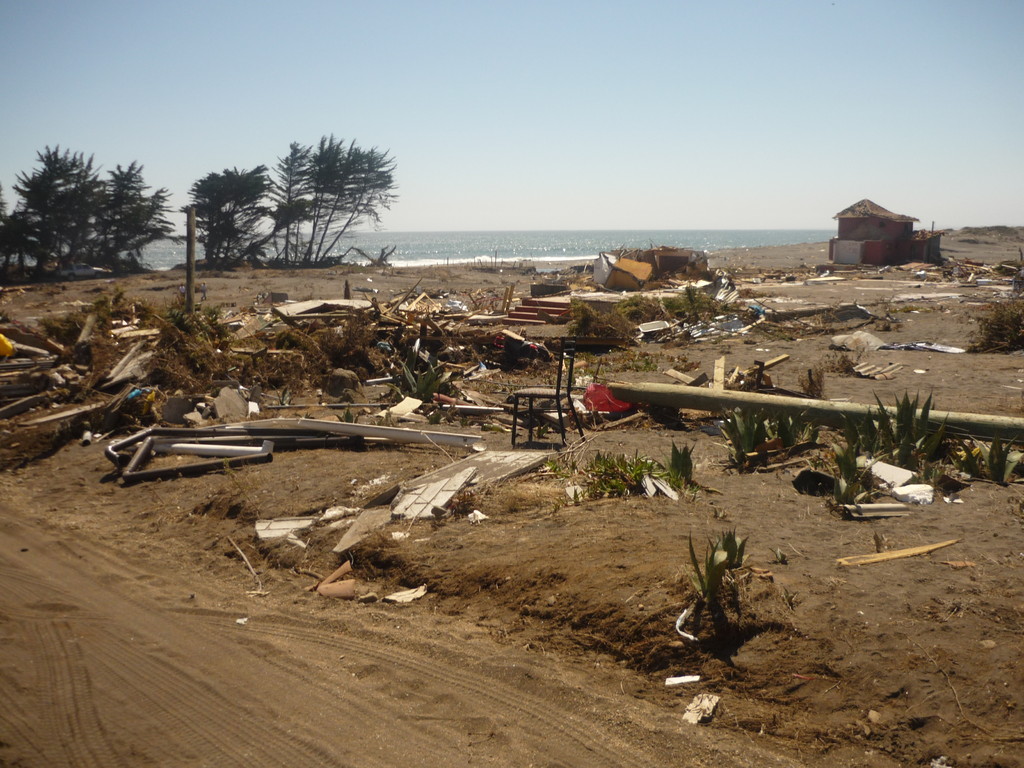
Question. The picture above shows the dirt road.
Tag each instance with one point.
(109, 662)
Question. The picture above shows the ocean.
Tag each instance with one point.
(424, 248)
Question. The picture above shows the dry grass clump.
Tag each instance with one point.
(837, 362)
(812, 382)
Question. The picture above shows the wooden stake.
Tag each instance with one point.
(190, 261)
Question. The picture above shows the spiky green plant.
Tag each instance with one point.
(422, 380)
(722, 555)
(904, 434)
(745, 430)
(679, 470)
(851, 485)
(792, 430)
(994, 461)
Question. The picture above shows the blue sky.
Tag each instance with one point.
(546, 115)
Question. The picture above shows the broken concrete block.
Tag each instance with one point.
(193, 419)
(175, 410)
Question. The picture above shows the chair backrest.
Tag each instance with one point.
(568, 354)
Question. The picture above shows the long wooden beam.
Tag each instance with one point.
(1007, 428)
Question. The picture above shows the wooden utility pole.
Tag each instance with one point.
(985, 426)
(190, 262)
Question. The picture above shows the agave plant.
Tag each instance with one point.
(994, 461)
(724, 554)
(745, 430)
(792, 430)
(850, 485)
(422, 383)
(679, 470)
(904, 435)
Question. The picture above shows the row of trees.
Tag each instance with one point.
(296, 216)
(300, 212)
(67, 214)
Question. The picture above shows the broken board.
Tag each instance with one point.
(422, 500)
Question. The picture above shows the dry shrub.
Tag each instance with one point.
(641, 309)
(351, 345)
(587, 321)
(837, 362)
(812, 382)
(1001, 330)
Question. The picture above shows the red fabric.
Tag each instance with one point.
(599, 398)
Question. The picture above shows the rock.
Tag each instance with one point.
(340, 380)
(858, 341)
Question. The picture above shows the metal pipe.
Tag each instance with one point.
(391, 434)
(208, 449)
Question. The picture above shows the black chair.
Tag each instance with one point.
(538, 400)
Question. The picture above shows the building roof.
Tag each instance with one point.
(865, 208)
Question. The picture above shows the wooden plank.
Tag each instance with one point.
(895, 554)
(22, 405)
(768, 364)
(63, 415)
(718, 378)
(369, 520)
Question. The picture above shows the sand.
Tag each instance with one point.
(133, 635)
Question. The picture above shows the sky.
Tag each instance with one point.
(565, 115)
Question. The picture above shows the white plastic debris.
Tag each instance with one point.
(406, 595)
(890, 474)
(476, 516)
(243, 622)
(914, 494)
(682, 679)
(399, 535)
(335, 513)
(679, 626)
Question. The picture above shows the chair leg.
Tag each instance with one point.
(529, 415)
(576, 418)
(515, 419)
(561, 418)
